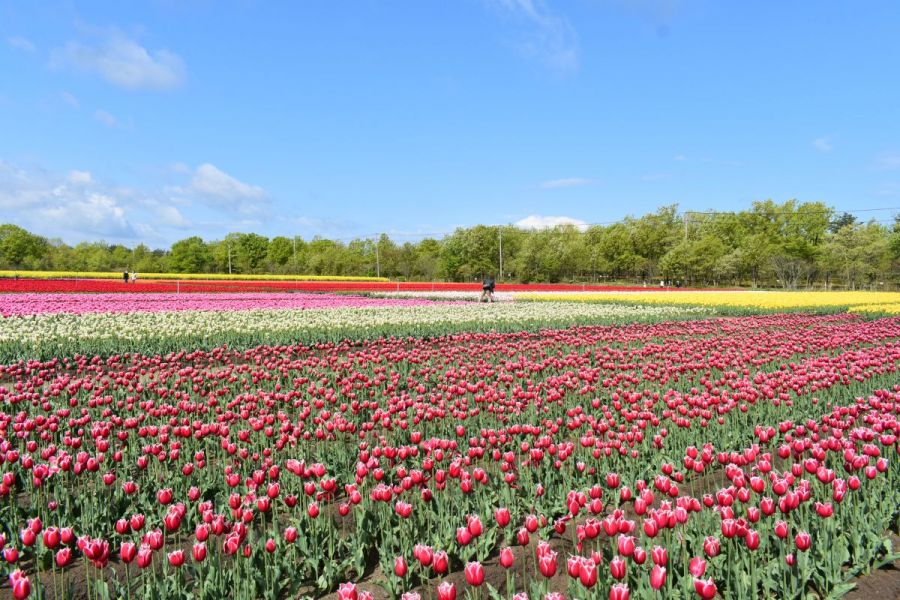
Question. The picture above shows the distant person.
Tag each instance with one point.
(487, 289)
(125, 276)
(134, 277)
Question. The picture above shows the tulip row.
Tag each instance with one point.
(878, 309)
(183, 276)
(770, 301)
(733, 456)
(63, 334)
(36, 304)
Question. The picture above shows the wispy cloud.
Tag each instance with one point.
(106, 118)
(546, 222)
(566, 182)
(123, 62)
(888, 190)
(76, 206)
(822, 144)
(887, 161)
(215, 187)
(546, 37)
(708, 160)
(654, 177)
(69, 99)
(56, 204)
(20, 43)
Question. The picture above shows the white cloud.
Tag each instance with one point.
(548, 38)
(566, 182)
(822, 144)
(20, 43)
(211, 181)
(69, 99)
(106, 119)
(888, 190)
(76, 206)
(95, 213)
(80, 177)
(216, 188)
(887, 161)
(169, 215)
(21, 189)
(123, 62)
(680, 157)
(543, 222)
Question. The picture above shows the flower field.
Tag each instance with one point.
(20, 305)
(195, 283)
(740, 457)
(50, 275)
(769, 301)
(50, 334)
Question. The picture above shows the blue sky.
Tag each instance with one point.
(157, 120)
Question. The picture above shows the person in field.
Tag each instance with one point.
(487, 289)
(134, 277)
(125, 276)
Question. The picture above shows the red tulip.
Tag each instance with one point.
(199, 552)
(507, 557)
(547, 564)
(657, 577)
(20, 584)
(144, 557)
(573, 566)
(52, 538)
(63, 557)
(400, 566)
(659, 556)
(781, 529)
(446, 591)
(752, 539)
(587, 574)
(347, 591)
(176, 558)
(474, 573)
(626, 545)
(441, 562)
(474, 525)
(711, 547)
(697, 566)
(619, 591)
(424, 554)
(164, 496)
(502, 516)
(705, 588)
(127, 552)
(803, 541)
(617, 568)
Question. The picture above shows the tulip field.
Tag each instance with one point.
(163, 446)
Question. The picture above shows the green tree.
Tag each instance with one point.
(21, 249)
(190, 255)
(281, 252)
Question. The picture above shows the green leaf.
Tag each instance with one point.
(841, 590)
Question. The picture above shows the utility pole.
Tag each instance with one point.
(500, 229)
(295, 253)
(686, 213)
(229, 257)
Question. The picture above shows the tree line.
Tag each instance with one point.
(790, 245)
